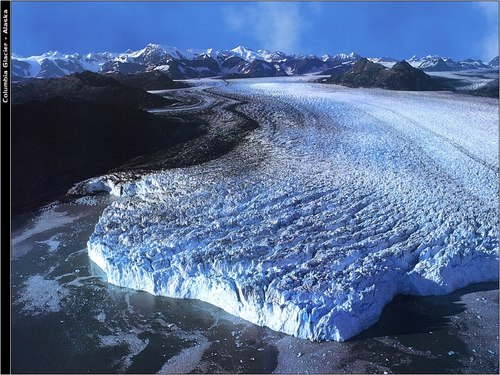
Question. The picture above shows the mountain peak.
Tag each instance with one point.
(244, 52)
(54, 54)
(241, 48)
(365, 65)
(402, 65)
(494, 61)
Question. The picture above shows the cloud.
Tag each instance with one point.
(489, 9)
(489, 47)
(275, 26)
(489, 44)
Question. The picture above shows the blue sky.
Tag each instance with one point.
(397, 29)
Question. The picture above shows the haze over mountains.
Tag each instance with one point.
(239, 62)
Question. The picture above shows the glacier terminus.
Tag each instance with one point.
(338, 201)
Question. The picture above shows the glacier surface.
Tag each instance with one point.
(340, 200)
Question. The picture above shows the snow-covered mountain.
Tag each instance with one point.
(473, 64)
(55, 64)
(494, 62)
(237, 62)
(436, 63)
(433, 63)
(388, 62)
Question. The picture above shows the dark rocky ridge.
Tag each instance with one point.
(68, 129)
(491, 89)
(121, 67)
(402, 76)
(337, 70)
(152, 80)
(309, 64)
(87, 86)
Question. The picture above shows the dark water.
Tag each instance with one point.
(67, 319)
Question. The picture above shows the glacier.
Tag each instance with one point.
(340, 200)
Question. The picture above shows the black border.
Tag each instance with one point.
(5, 123)
(5, 73)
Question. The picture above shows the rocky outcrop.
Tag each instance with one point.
(87, 86)
(153, 80)
(67, 129)
(402, 76)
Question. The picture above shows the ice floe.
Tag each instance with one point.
(41, 296)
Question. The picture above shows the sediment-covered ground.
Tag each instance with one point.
(314, 220)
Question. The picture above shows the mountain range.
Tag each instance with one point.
(239, 62)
